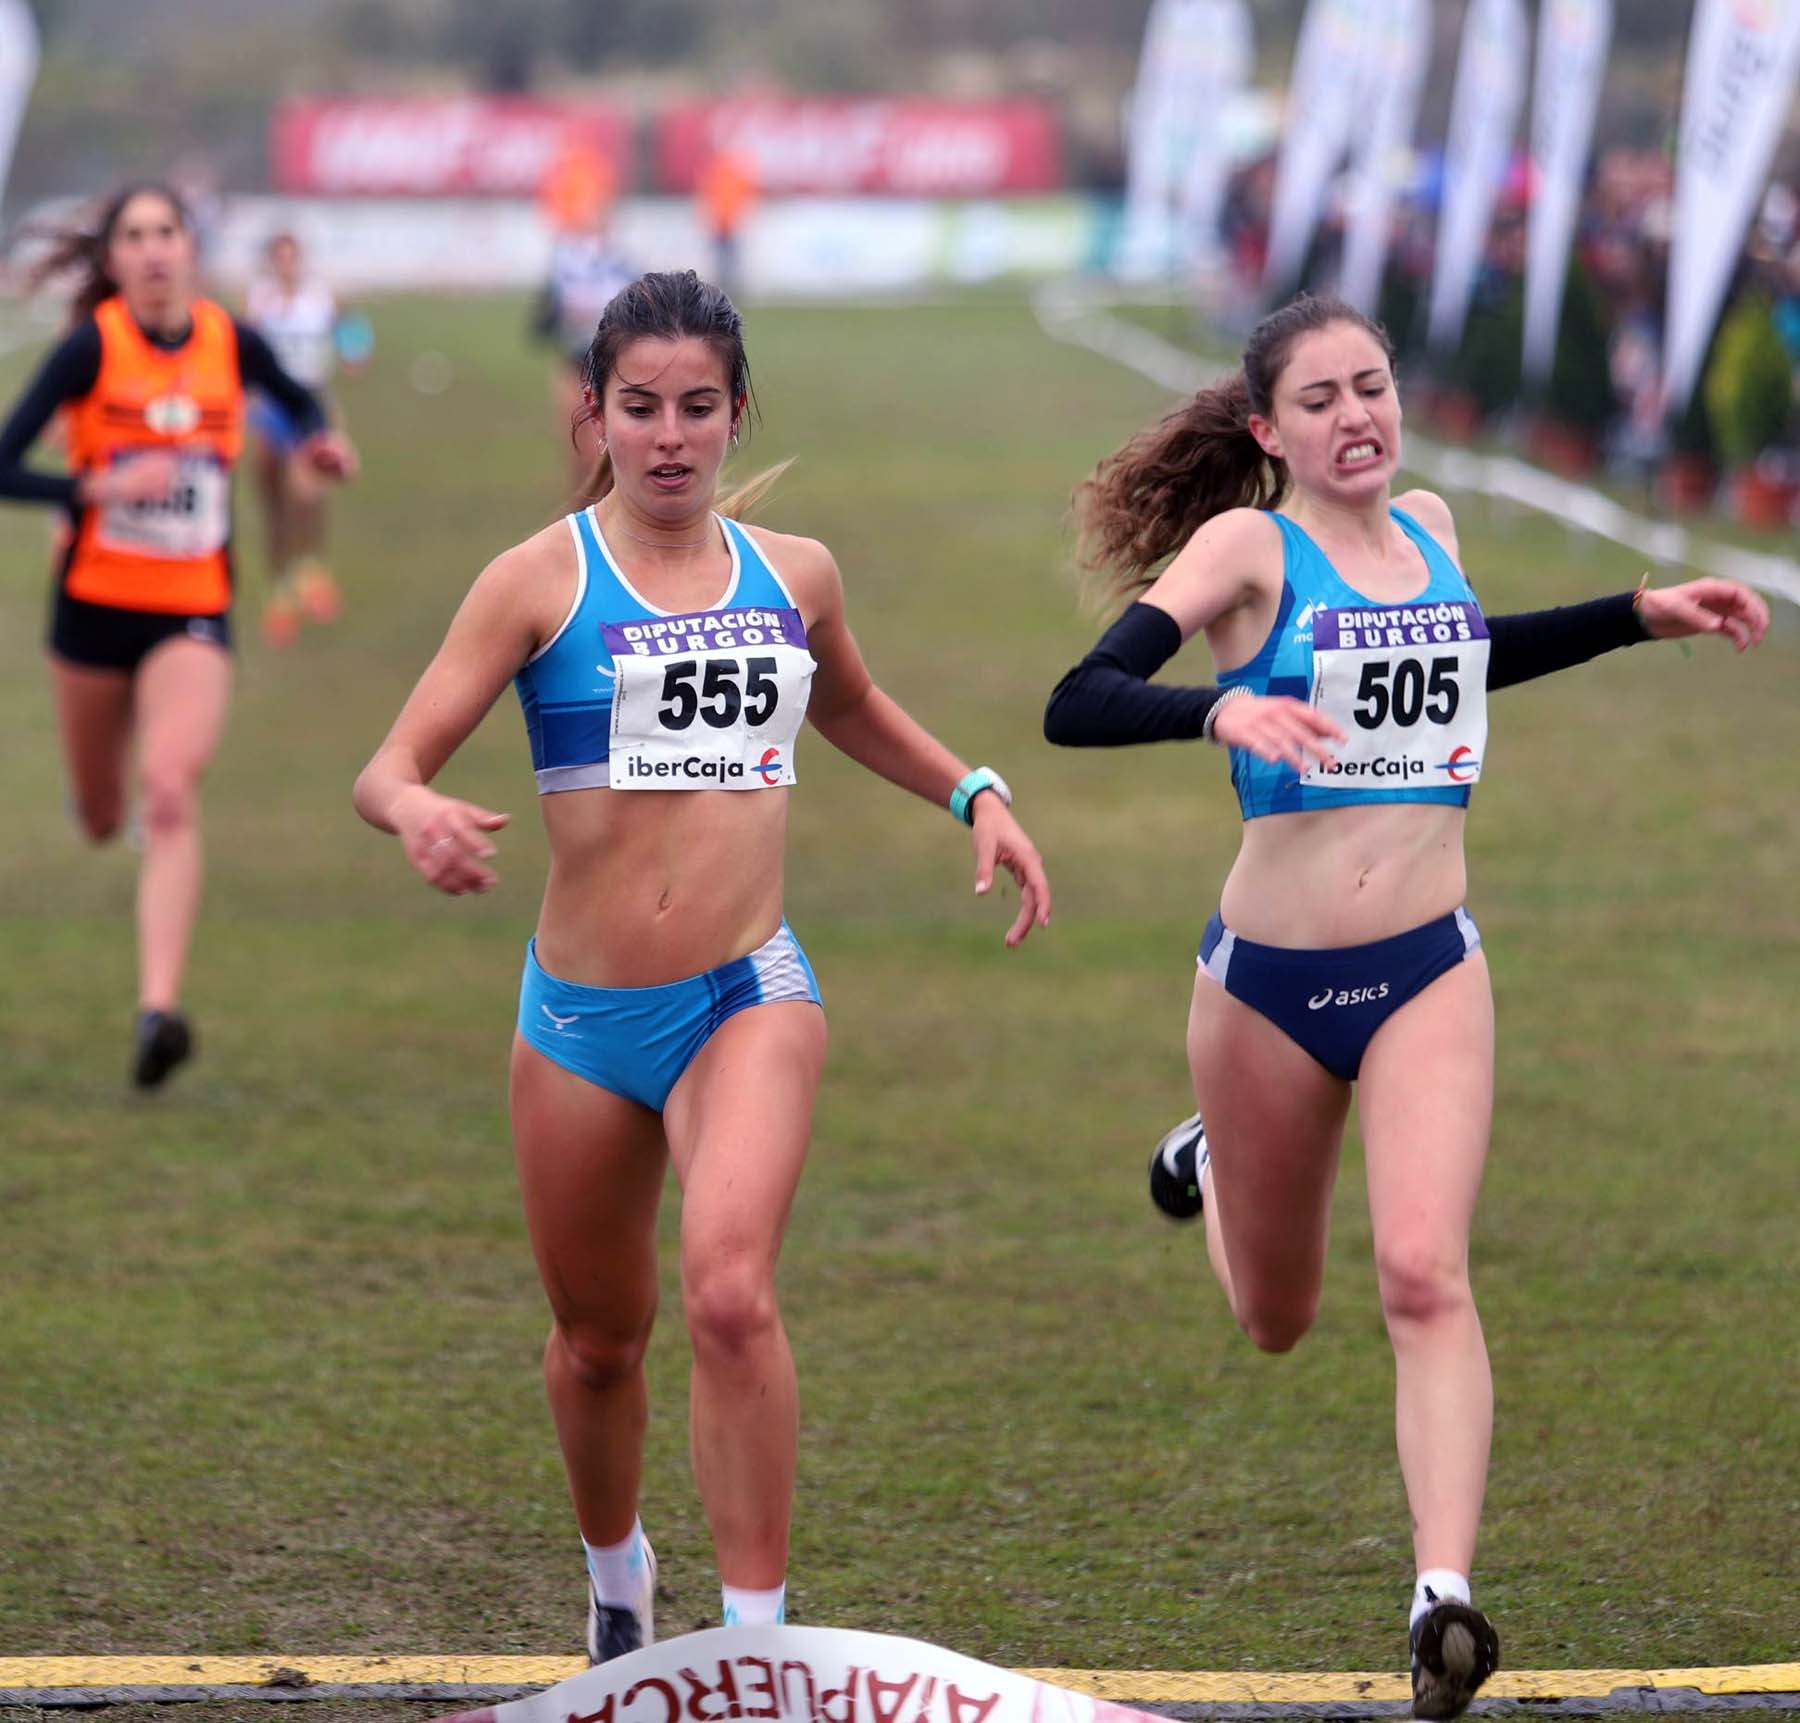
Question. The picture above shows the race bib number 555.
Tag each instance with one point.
(708, 701)
(1408, 686)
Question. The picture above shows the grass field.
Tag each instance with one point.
(269, 1342)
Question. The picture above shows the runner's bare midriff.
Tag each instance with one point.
(1345, 876)
(652, 886)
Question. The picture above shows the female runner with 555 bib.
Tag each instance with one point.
(665, 659)
(1354, 669)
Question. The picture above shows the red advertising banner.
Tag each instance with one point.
(846, 145)
(476, 146)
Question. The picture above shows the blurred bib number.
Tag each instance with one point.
(1407, 684)
(193, 520)
(709, 701)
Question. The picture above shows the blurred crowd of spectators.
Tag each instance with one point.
(1736, 441)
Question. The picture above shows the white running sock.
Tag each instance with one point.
(1435, 1584)
(754, 1608)
(618, 1569)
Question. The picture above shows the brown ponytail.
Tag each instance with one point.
(1146, 500)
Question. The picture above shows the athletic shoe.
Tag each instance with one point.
(281, 617)
(320, 600)
(1454, 1650)
(614, 1630)
(1177, 1168)
(163, 1041)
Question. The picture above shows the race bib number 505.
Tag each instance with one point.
(708, 701)
(1408, 686)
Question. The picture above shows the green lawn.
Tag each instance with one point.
(269, 1342)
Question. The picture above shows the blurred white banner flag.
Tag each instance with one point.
(1565, 91)
(1324, 96)
(18, 72)
(1742, 59)
(1196, 57)
(1395, 54)
(1484, 112)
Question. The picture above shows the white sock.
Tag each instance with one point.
(1435, 1584)
(618, 1569)
(754, 1608)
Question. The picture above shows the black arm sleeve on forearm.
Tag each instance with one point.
(260, 369)
(1107, 700)
(68, 374)
(1536, 642)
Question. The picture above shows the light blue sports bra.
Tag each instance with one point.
(1407, 682)
(566, 687)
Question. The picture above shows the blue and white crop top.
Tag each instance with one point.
(628, 696)
(1407, 683)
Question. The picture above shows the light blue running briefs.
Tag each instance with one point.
(637, 1041)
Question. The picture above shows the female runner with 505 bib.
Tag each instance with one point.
(1354, 668)
(665, 659)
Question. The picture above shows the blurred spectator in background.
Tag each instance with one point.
(579, 190)
(1634, 361)
(586, 269)
(727, 193)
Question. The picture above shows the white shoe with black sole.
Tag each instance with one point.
(615, 1630)
(1454, 1650)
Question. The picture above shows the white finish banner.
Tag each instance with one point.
(18, 72)
(1196, 58)
(1324, 96)
(800, 1675)
(1484, 114)
(1573, 36)
(1742, 60)
(1392, 76)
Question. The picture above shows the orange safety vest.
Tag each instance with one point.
(171, 556)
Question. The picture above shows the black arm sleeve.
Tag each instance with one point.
(1107, 700)
(1536, 642)
(260, 369)
(70, 372)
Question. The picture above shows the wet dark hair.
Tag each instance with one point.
(1145, 501)
(668, 305)
(83, 249)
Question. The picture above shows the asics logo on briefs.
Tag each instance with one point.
(769, 766)
(1347, 996)
(559, 1022)
(1462, 765)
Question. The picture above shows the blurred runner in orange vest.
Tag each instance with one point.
(727, 192)
(150, 385)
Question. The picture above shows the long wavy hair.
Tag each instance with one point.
(84, 249)
(674, 305)
(1146, 500)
